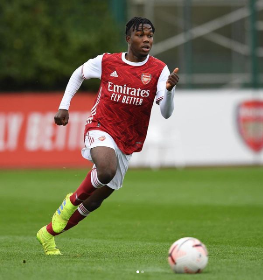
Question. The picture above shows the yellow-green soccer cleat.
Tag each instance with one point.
(48, 242)
(62, 215)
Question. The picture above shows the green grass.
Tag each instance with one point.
(135, 227)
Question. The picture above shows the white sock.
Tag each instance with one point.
(83, 211)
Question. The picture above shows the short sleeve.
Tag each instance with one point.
(92, 68)
(161, 85)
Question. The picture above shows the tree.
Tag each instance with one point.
(42, 42)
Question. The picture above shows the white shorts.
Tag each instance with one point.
(96, 138)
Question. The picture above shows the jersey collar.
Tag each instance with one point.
(134, 63)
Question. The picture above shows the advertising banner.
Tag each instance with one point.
(208, 127)
(29, 138)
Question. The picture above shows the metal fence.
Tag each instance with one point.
(216, 44)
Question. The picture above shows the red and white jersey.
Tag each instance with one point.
(125, 97)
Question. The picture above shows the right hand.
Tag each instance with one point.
(173, 79)
(61, 117)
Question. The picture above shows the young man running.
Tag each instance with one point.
(117, 126)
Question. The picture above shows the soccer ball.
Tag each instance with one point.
(188, 255)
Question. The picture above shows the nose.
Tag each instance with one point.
(145, 39)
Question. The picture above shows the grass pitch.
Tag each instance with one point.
(135, 227)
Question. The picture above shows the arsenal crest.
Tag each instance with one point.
(250, 123)
(102, 138)
(146, 78)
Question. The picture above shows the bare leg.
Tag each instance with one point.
(94, 201)
(91, 203)
(93, 190)
(105, 161)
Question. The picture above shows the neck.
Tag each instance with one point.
(133, 58)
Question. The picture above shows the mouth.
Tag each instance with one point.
(146, 48)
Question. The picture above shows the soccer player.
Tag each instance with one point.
(117, 126)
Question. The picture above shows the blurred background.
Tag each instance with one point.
(218, 46)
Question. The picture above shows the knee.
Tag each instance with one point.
(105, 175)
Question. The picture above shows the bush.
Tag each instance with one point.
(43, 42)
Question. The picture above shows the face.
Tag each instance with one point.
(140, 41)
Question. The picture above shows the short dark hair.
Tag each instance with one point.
(135, 22)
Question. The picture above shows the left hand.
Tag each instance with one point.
(61, 117)
(172, 80)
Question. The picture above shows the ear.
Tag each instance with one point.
(128, 39)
